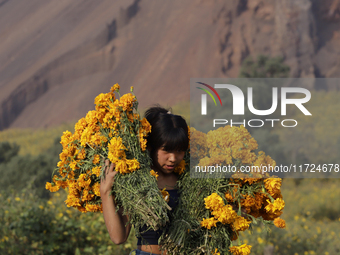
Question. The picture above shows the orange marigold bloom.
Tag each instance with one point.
(116, 149)
(95, 189)
(52, 188)
(208, 223)
(280, 223)
(132, 165)
(153, 173)
(213, 202)
(126, 102)
(115, 87)
(93, 208)
(81, 154)
(240, 250)
(273, 186)
(229, 197)
(96, 170)
(241, 224)
(275, 207)
(96, 159)
(225, 215)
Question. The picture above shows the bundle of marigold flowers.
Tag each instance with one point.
(114, 130)
(213, 211)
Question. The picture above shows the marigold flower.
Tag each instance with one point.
(273, 186)
(96, 170)
(275, 207)
(96, 159)
(213, 202)
(280, 223)
(240, 250)
(241, 224)
(225, 215)
(51, 188)
(153, 173)
(208, 223)
(115, 87)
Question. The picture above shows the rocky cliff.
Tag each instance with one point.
(56, 56)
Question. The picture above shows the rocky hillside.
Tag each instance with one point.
(56, 56)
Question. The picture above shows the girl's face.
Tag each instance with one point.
(166, 161)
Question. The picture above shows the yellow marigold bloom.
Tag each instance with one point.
(180, 168)
(96, 159)
(81, 154)
(51, 188)
(116, 149)
(225, 215)
(229, 197)
(115, 87)
(66, 138)
(280, 223)
(93, 208)
(208, 223)
(126, 101)
(213, 202)
(95, 189)
(72, 200)
(153, 173)
(132, 164)
(273, 186)
(241, 224)
(73, 165)
(83, 181)
(240, 250)
(80, 125)
(142, 142)
(96, 170)
(275, 207)
(165, 195)
(146, 127)
(122, 167)
(102, 101)
(248, 202)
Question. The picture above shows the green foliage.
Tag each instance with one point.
(19, 171)
(264, 67)
(30, 225)
(7, 151)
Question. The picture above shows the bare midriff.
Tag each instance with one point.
(154, 248)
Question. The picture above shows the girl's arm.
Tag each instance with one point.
(115, 221)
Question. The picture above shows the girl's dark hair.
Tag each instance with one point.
(168, 130)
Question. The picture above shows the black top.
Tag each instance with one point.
(151, 236)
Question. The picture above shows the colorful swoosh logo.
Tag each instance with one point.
(208, 92)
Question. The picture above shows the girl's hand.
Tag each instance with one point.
(107, 182)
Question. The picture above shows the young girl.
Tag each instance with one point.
(167, 144)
